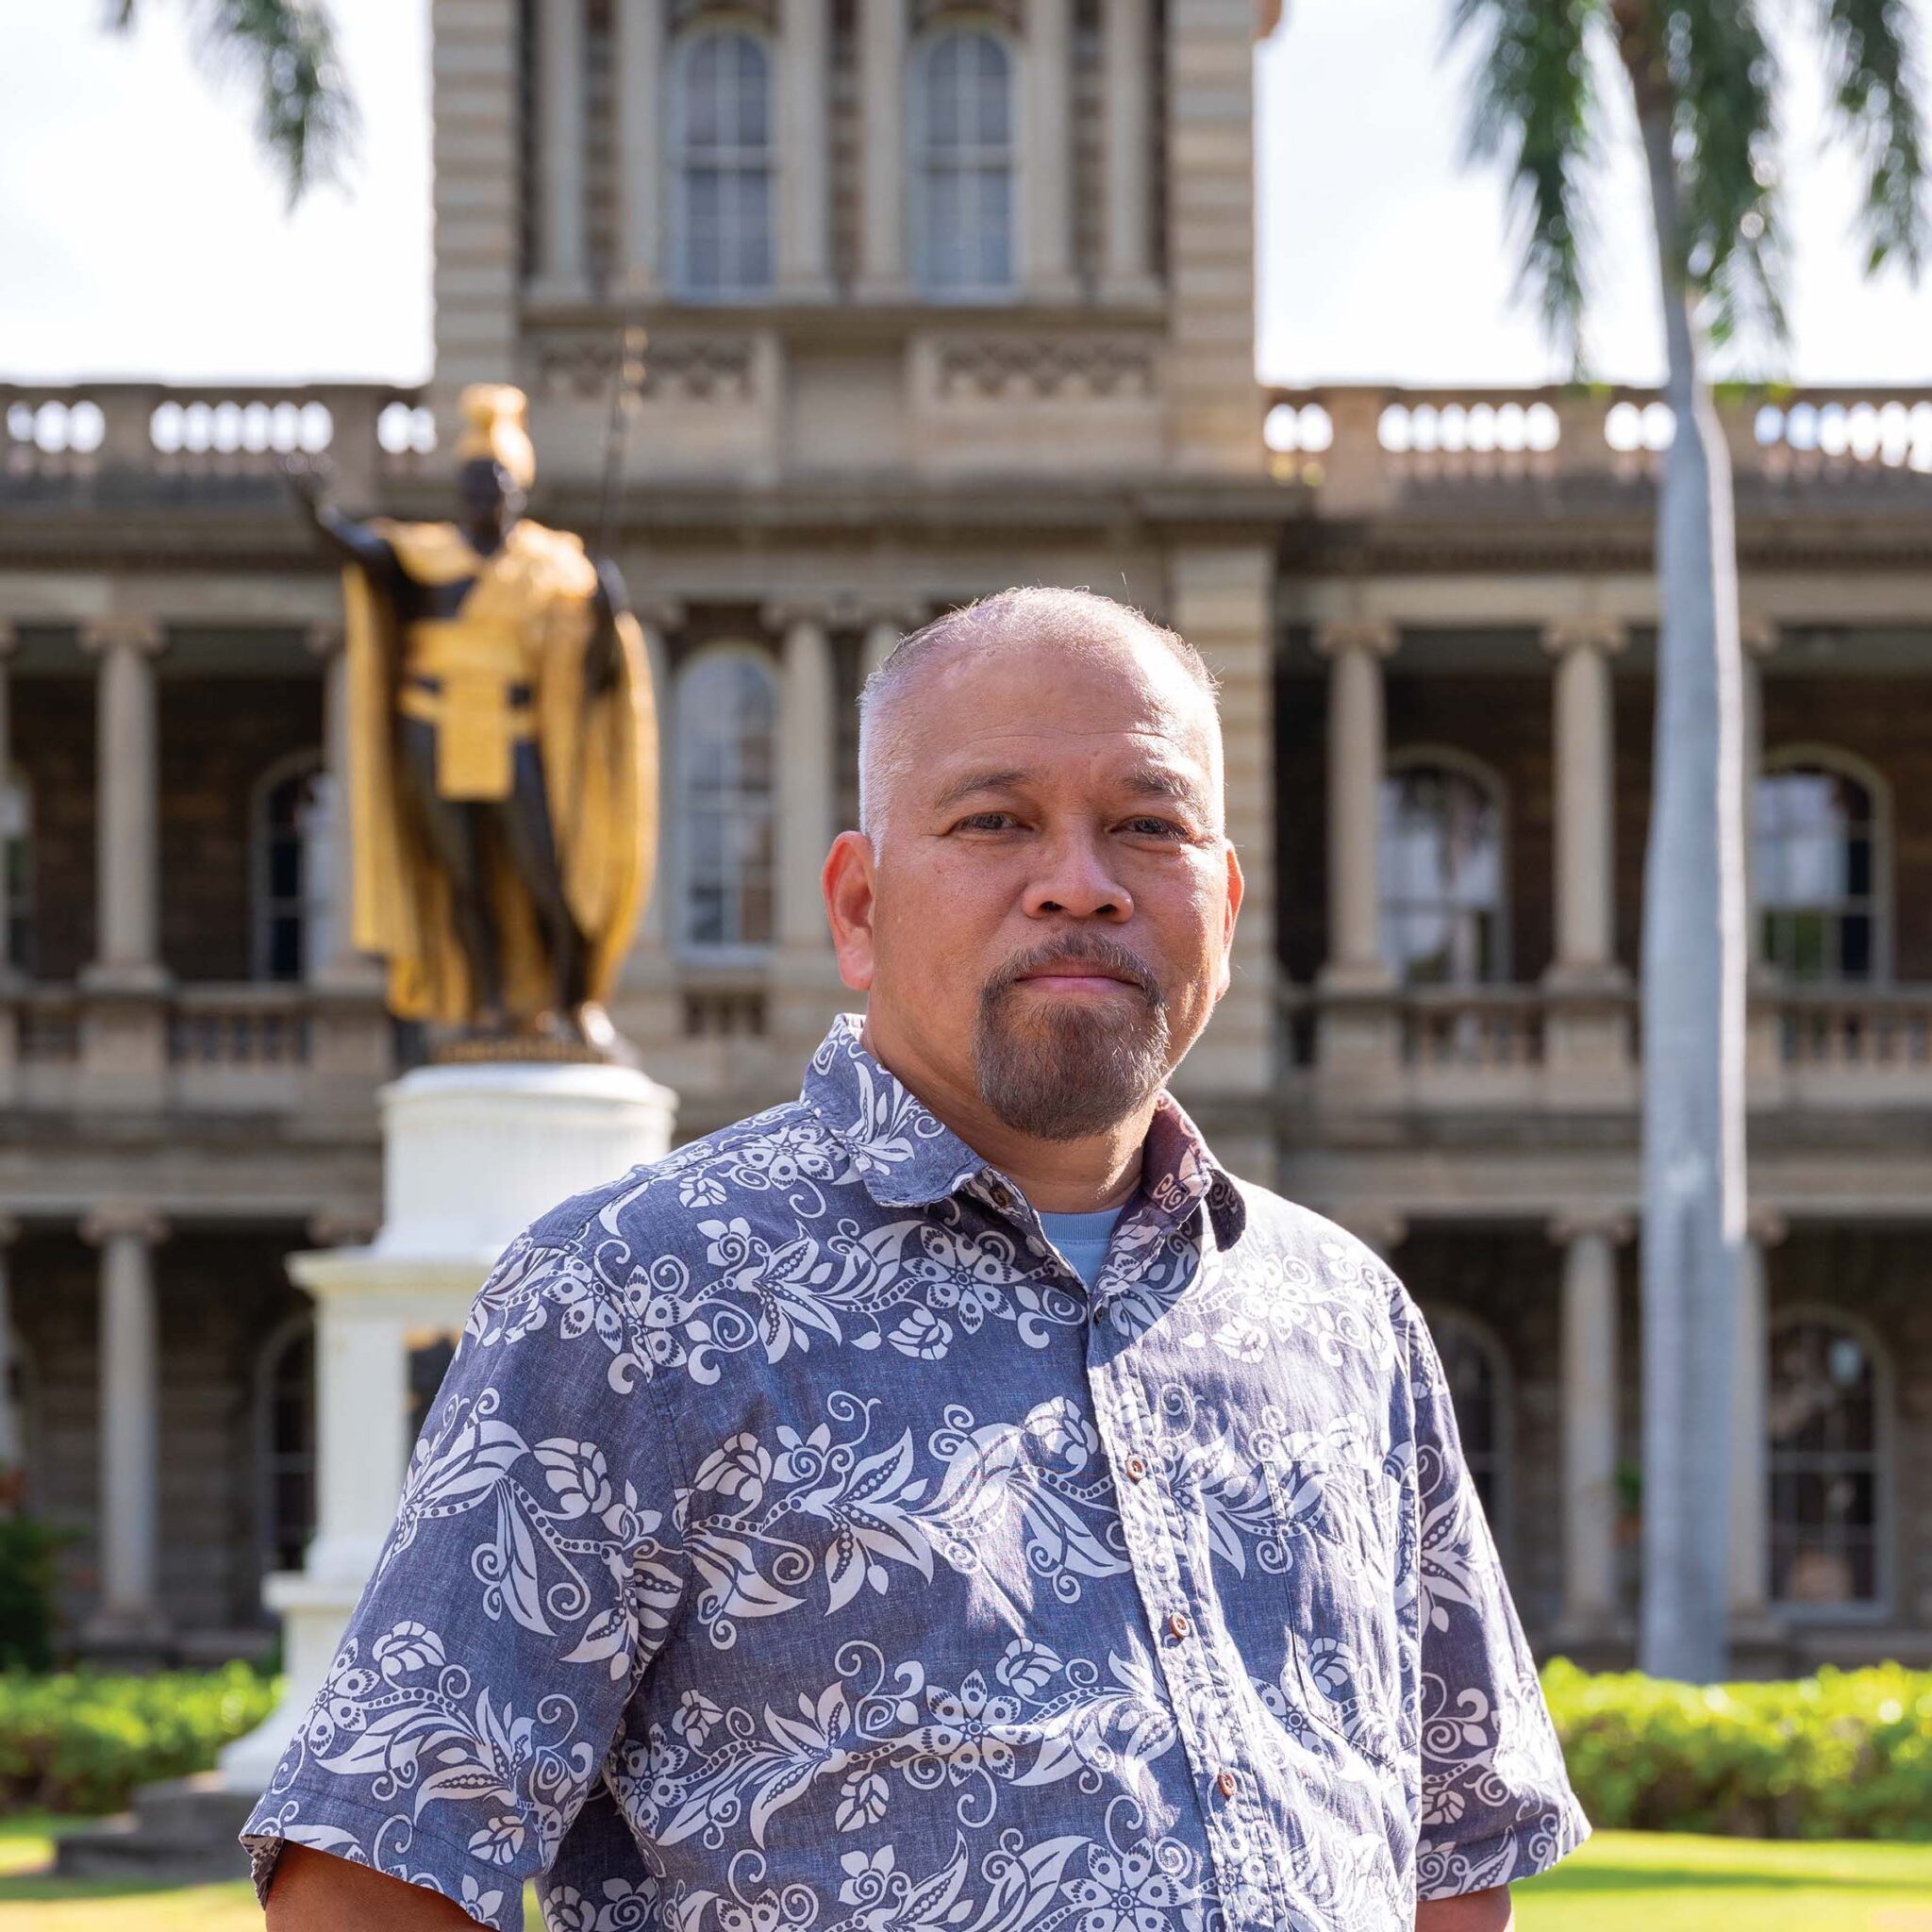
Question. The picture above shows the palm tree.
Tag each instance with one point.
(1704, 83)
(305, 116)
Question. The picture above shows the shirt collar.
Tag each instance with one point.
(907, 1157)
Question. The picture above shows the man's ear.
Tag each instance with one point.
(848, 880)
(1235, 887)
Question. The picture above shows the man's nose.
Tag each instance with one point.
(1077, 881)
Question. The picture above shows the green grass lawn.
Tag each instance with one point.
(1636, 1881)
(1620, 1881)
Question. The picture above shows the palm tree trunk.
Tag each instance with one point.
(1693, 990)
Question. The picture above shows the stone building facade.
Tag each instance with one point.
(942, 299)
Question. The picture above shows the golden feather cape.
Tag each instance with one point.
(599, 754)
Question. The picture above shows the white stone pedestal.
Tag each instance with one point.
(472, 1154)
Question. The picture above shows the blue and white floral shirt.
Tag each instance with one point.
(797, 1543)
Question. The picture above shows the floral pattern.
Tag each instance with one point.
(797, 1546)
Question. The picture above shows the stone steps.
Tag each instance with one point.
(182, 1829)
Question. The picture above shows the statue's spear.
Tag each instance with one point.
(626, 392)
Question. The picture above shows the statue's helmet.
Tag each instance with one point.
(495, 427)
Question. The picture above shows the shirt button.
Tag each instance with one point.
(1225, 1784)
(1176, 1626)
(1136, 1467)
(1001, 1197)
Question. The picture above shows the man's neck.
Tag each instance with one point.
(1057, 1177)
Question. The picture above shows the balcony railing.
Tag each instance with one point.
(54, 435)
(1521, 1046)
(191, 1049)
(1364, 447)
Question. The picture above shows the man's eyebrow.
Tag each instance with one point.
(1164, 781)
(988, 780)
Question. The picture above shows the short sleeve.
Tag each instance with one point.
(1496, 1800)
(528, 1578)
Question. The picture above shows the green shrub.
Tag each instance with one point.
(76, 1741)
(1846, 1753)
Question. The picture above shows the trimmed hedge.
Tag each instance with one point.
(80, 1743)
(1846, 1753)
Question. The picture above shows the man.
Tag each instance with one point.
(952, 1500)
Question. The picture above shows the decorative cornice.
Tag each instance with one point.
(782, 614)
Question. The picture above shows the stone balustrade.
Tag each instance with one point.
(1490, 1045)
(192, 1048)
(368, 433)
(1363, 447)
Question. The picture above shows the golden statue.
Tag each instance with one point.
(502, 757)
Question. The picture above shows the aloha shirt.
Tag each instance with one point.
(797, 1546)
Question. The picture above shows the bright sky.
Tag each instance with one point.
(143, 236)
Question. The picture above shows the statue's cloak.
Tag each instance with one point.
(599, 754)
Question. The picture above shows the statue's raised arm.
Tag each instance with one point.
(346, 540)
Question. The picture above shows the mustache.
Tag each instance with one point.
(1077, 948)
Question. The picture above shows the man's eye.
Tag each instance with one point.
(1153, 829)
(988, 822)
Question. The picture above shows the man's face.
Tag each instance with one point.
(1052, 895)
(490, 499)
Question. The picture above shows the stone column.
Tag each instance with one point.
(1046, 174)
(338, 965)
(1589, 1349)
(130, 1392)
(640, 146)
(1128, 53)
(350, 1035)
(126, 753)
(561, 262)
(805, 202)
(1751, 1437)
(1356, 761)
(650, 1008)
(806, 736)
(804, 988)
(882, 82)
(1588, 1038)
(1763, 1054)
(1586, 797)
(12, 1435)
(1358, 1030)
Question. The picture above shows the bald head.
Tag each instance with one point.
(1036, 619)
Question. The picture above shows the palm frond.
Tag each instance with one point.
(286, 50)
(1874, 48)
(1724, 76)
(1535, 107)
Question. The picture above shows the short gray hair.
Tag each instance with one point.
(1044, 613)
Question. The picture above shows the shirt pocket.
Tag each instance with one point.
(1345, 1605)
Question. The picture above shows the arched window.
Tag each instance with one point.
(1821, 868)
(285, 1381)
(1478, 1376)
(1442, 871)
(728, 709)
(962, 131)
(1827, 1475)
(294, 846)
(17, 852)
(723, 163)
